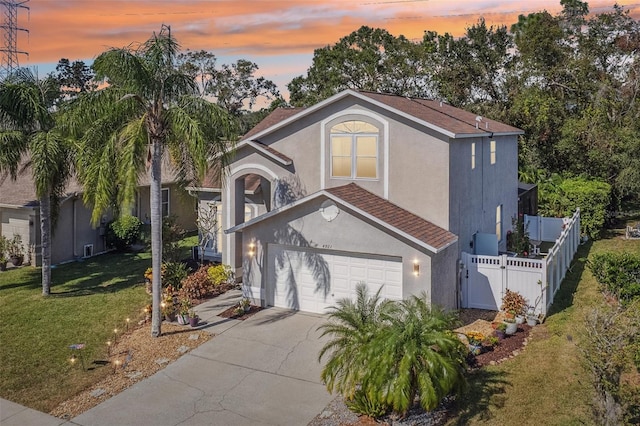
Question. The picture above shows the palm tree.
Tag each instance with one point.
(385, 353)
(418, 355)
(28, 129)
(148, 112)
(352, 326)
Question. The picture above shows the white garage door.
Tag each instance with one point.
(312, 280)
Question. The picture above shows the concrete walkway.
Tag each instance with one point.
(12, 414)
(261, 371)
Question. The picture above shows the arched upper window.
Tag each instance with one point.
(354, 150)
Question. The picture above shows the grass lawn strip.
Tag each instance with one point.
(88, 301)
(546, 383)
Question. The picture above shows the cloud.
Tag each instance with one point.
(254, 29)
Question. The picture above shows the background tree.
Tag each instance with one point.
(369, 59)
(149, 113)
(74, 77)
(31, 140)
(470, 71)
(235, 87)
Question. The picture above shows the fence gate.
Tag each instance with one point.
(482, 282)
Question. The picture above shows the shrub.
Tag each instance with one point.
(124, 232)
(608, 348)
(513, 302)
(518, 237)
(220, 274)
(197, 285)
(360, 403)
(173, 273)
(172, 233)
(618, 274)
(391, 352)
(593, 196)
(4, 245)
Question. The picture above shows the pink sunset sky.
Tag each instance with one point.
(280, 36)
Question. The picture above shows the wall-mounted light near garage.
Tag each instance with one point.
(416, 268)
(252, 249)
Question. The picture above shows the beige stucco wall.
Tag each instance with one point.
(21, 221)
(181, 204)
(420, 170)
(413, 161)
(73, 231)
(304, 226)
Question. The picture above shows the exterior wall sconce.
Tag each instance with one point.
(416, 268)
(252, 249)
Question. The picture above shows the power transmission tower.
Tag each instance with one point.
(11, 28)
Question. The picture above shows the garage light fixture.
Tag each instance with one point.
(416, 268)
(252, 249)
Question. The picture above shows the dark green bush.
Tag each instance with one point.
(173, 273)
(618, 274)
(560, 198)
(362, 404)
(172, 233)
(123, 232)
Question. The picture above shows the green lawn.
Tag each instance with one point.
(545, 384)
(89, 299)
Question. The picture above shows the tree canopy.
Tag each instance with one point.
(570, 81)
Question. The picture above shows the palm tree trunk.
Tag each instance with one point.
(45, 244)
(156, 235)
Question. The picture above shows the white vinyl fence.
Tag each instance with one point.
(486, 278)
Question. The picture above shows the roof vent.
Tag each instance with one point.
(478, 120)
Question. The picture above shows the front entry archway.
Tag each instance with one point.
(247, 186)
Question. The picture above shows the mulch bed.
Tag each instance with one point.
(508, 347)
(230, 313)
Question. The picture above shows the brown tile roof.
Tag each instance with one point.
(273, 152)
(276, 116)
(395, 216)
(447, 117)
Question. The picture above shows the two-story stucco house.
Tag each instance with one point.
(364, 187)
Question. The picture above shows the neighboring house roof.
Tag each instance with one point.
(445, 119)
(212, 182)
(22, 191)
(364, 203)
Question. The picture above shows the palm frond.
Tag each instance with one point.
(13, 145)
(124, 70)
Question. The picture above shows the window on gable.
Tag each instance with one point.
(493, 152)
(354, 150)
(473, 155)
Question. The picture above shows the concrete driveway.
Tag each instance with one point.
(261, 371)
